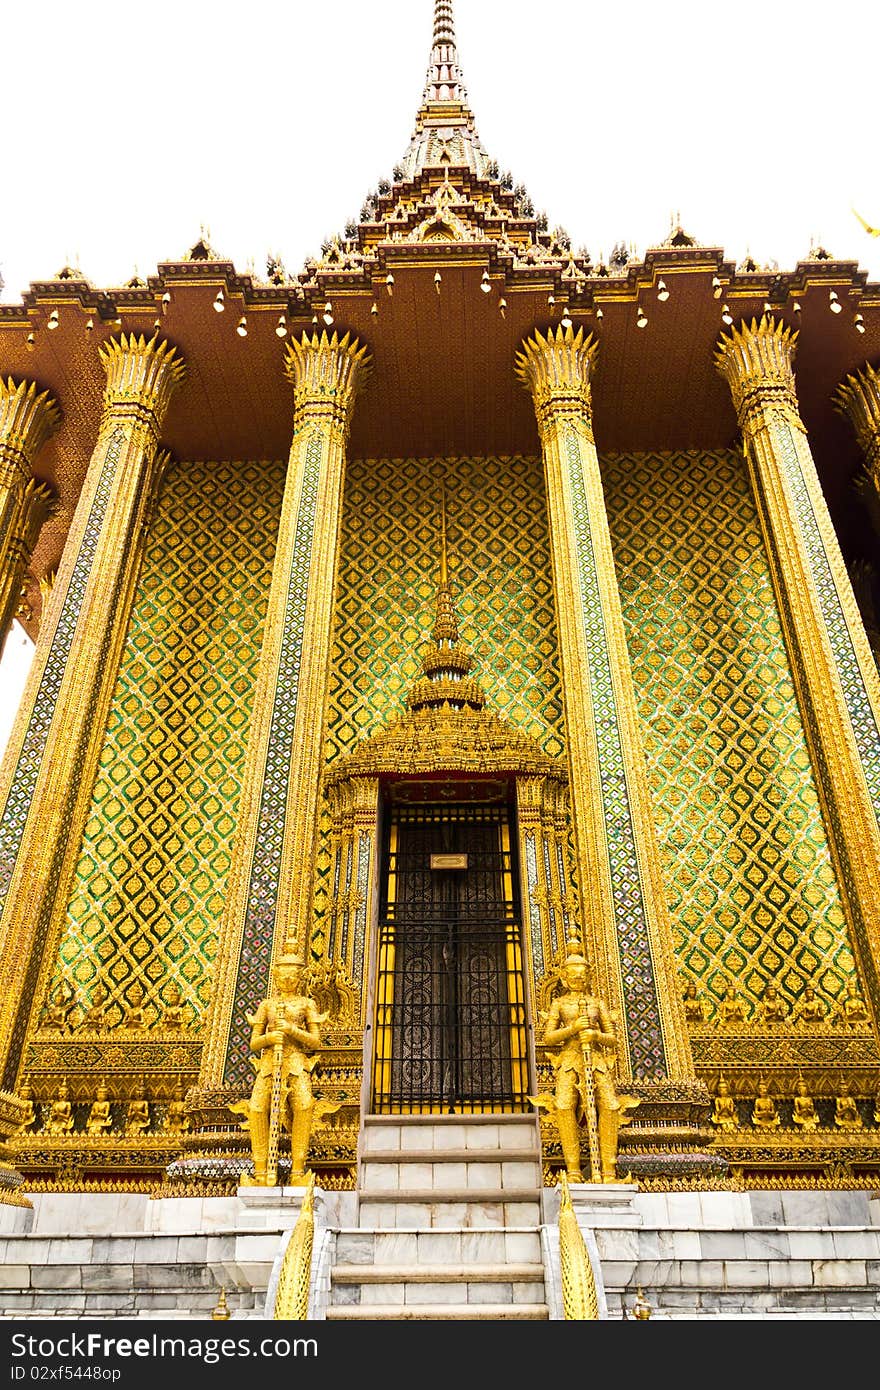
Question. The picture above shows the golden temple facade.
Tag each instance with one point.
(448, 601)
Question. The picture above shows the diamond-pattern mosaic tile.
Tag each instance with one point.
(748, 872)
(151, 878)
(500, 575)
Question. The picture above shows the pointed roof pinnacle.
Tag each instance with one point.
(444, 24)
(444, 81)
(446, 624)
(446, 665)
(445, 132)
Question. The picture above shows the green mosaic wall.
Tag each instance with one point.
(150, 883)
(748, 871)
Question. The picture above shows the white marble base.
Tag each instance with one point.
(596, 1204)
(15, 1220)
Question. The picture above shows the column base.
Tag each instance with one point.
(595, 1204)
(215, 1155)
(11, 1182)
(13, 1114)
(669, 1135)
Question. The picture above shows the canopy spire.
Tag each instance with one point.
(445, 677)
(445, 132)
(444, 560)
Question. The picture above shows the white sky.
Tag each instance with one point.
(128, 127)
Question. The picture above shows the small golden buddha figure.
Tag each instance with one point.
(764, 1112)
(803, 1109)
(135, 1017)
(773, 1006)
(95, 1017)
(724, 1109)
(26, 1095)
(176, 1118)
(137, 1116)
(810, 1009)
(694, 1011)
(731, 1008)
(99, 1119)
(851, 1008)
(60, 1117)
(172, 1016)
(846, 1112)
(60, 1006)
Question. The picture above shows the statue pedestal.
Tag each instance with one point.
(269, 1206)
(596, 1204)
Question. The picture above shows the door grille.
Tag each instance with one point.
(450, 1018)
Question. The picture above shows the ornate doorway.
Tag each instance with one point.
(450, 1013)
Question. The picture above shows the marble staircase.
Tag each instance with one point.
(449, 1222)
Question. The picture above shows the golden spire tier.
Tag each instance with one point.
(446, 664)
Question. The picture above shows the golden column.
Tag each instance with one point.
(833, 669)
(48, 772)
(269, 901)
(859, 398)
(28, 418)
(628, 932)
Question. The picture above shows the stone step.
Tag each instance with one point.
(438, 1274)
(148, 1300)
(407, 1293)
(475, 1175)
(482, 1133)
(458, 1312)
(446, 1195)
(461, 1247)
(501, 1207)
(511, 1155)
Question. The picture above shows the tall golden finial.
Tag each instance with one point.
(446, 623)
(444, 74)
(444, 24)
(445, 132)
(444, 563)
(446, 664)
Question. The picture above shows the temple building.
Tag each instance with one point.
(448, 608)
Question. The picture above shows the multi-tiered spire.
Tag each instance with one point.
(445, 133)
(446, 665)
